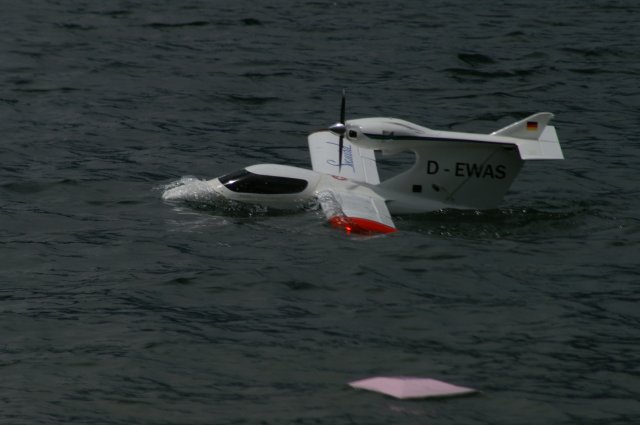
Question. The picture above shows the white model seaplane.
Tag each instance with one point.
(451, 170)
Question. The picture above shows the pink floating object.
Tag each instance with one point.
(410, 387)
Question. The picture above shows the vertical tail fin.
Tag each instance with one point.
(528, 128)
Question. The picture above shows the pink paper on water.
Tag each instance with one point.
(410, 387)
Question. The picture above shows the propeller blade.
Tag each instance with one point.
(339, 129)
(340, 145)
(343, 107)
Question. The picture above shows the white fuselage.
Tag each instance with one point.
(287, 188)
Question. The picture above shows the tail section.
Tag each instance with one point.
(460, 175)
(530, 128)
(462, 170)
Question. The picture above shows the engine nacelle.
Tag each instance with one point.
(383, 133)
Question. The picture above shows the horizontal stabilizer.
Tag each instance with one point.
(550, 144)
(528, 128)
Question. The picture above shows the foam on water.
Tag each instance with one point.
(191, 189)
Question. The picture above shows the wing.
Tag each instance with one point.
(355, 208)
(358, 164)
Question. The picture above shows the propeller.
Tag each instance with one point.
(339, 129)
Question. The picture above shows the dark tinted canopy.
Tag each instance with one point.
(244, 181)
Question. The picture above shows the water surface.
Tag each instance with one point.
(118, 308)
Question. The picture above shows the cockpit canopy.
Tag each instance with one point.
(244, 181)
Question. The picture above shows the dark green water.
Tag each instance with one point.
(116, 308)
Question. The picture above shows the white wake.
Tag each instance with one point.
(191, 189)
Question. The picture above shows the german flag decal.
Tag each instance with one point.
(532, 125)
